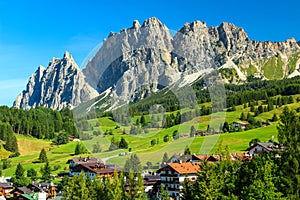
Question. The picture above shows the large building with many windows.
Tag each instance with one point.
(173, 175)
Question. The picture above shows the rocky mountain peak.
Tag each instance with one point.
(60, 85)
(152, 22)
(136, 24)
(195, 26)
(67, 56)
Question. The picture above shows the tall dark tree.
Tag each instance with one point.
(192, 131)
(187, 151)
(43, 156)
(46, 172)
(133, 164)
(20, 179)
(123, 144)
(289, 135)
(165, 158)
(80, 149)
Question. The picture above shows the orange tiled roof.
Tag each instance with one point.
(186, 167)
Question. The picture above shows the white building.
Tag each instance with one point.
(173, 175)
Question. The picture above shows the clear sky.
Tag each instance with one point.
(32, 32)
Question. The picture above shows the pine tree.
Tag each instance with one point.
(76, 188)
(187, 151)
(123, 144)
(20, 171)
(96, 148)
(80, 149)
(165, 158)
(43, 156)
(242, 117)
(31, 173)
(192, 131)
(163, 193)
(46, 172)
(143, 120)
(274, 118)
(19, 179)
(288, 134)
(133, 164)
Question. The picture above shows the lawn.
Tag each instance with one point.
(58, 155)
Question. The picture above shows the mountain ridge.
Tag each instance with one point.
(60, 85)
(143, 59)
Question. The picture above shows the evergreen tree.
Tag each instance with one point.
(143, 120)
(123, 144)
(243, 117)
(96, 148)
(187, 151)
(288, 134)
(274, 118)
(115, 187)
(163, 193)
(46, 172)
(80, 149)
(76, 188)
(20, 171)
(226, 127)
(133, 164)
(192, 131)
(20, 179)
(61, 138)
(175, 135)
(31, 173)
(43, 156)
(165, 158)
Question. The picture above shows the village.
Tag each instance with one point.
(170, 175)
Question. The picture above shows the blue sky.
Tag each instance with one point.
(32, 32)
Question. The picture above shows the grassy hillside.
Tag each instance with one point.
(58, 155)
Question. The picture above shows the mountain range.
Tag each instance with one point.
(144, 59)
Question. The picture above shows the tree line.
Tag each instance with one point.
(40, 122)
(263, 177)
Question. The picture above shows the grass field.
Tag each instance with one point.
(58, 155)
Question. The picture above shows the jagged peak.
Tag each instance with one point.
(193, 26)
(291, 40)
(228, 25)
(67, 55)
(111, 33)
(41, 68)
(152, 22)
(136, 24)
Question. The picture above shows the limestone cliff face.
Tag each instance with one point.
(59, 85)
(137, 57)
(146, 58)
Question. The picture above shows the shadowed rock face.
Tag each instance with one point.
(148, 57)
(59, 85)
(145, 58)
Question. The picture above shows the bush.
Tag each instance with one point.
(56, 167)
(16, 154)
(153, 142)
(80, 149)
(166, 138)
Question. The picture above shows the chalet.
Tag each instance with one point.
(92, 167)
(205, 157)
(265, 147)
(173, 175)
(44, 187)
(5, 189)
(240, 124)
(201, 132)
(150, 181)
